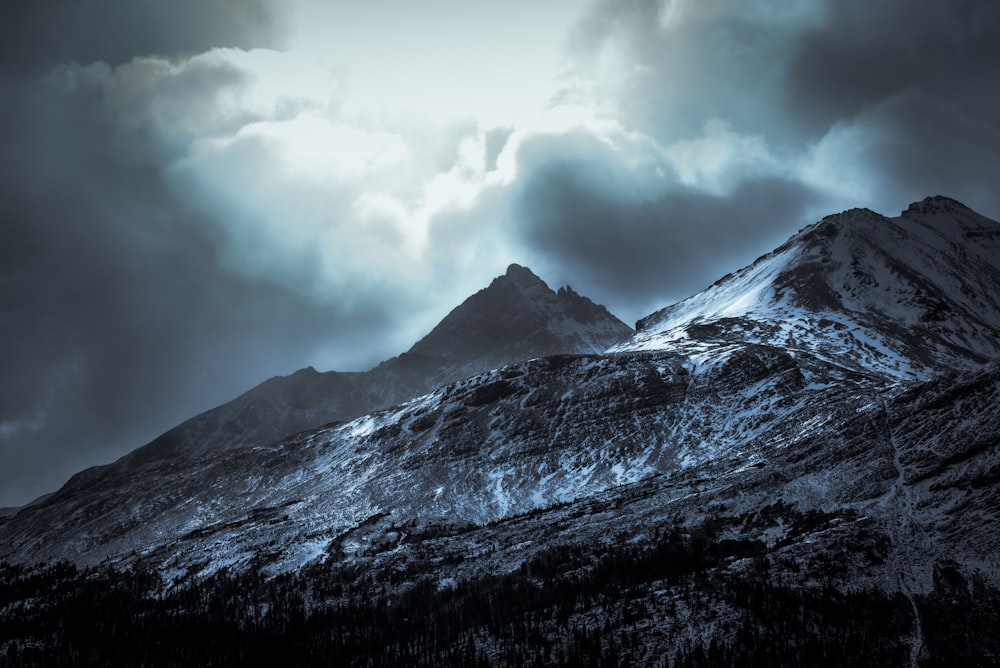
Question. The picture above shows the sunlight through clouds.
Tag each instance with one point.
(315, 149)
(719, 159)
(340, 151)
(372, 131)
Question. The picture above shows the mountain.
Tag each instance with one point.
(907, 297)
(798, 464)
(517, 317)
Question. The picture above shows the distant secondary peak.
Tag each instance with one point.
(935, 204)
(832, 226)
(857, 213)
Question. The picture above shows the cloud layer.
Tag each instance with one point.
(196, 199)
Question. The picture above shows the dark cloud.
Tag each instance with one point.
(855, 103)
(792, 74)
(667, 71)
(910, 86)
(913, 145)
(640, 241)
(864, 53)
(38, 35)
(118, 317)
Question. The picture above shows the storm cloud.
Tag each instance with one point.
(865, 54)
(634, 233)
(738, 122)
(119, 317)
(39, 35)
(197, 196)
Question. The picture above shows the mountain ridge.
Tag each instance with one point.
(548, 322)
(821, 424)
(771, 370)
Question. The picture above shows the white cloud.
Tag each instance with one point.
(10, 429)
(299, 186)
(718, 160)
(321, 150)
(492, 62)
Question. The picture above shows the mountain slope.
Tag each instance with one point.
(578, 513)
(505, 442)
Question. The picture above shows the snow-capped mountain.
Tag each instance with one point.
(828, 415)
(907, 297)
(506, 442)
(765, 362)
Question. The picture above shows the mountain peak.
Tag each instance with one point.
(935, 204)
(520, 312)
(517, 271)
(858, 216)
(906, 297)
(526, 281)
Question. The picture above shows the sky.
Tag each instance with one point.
(201, 194)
